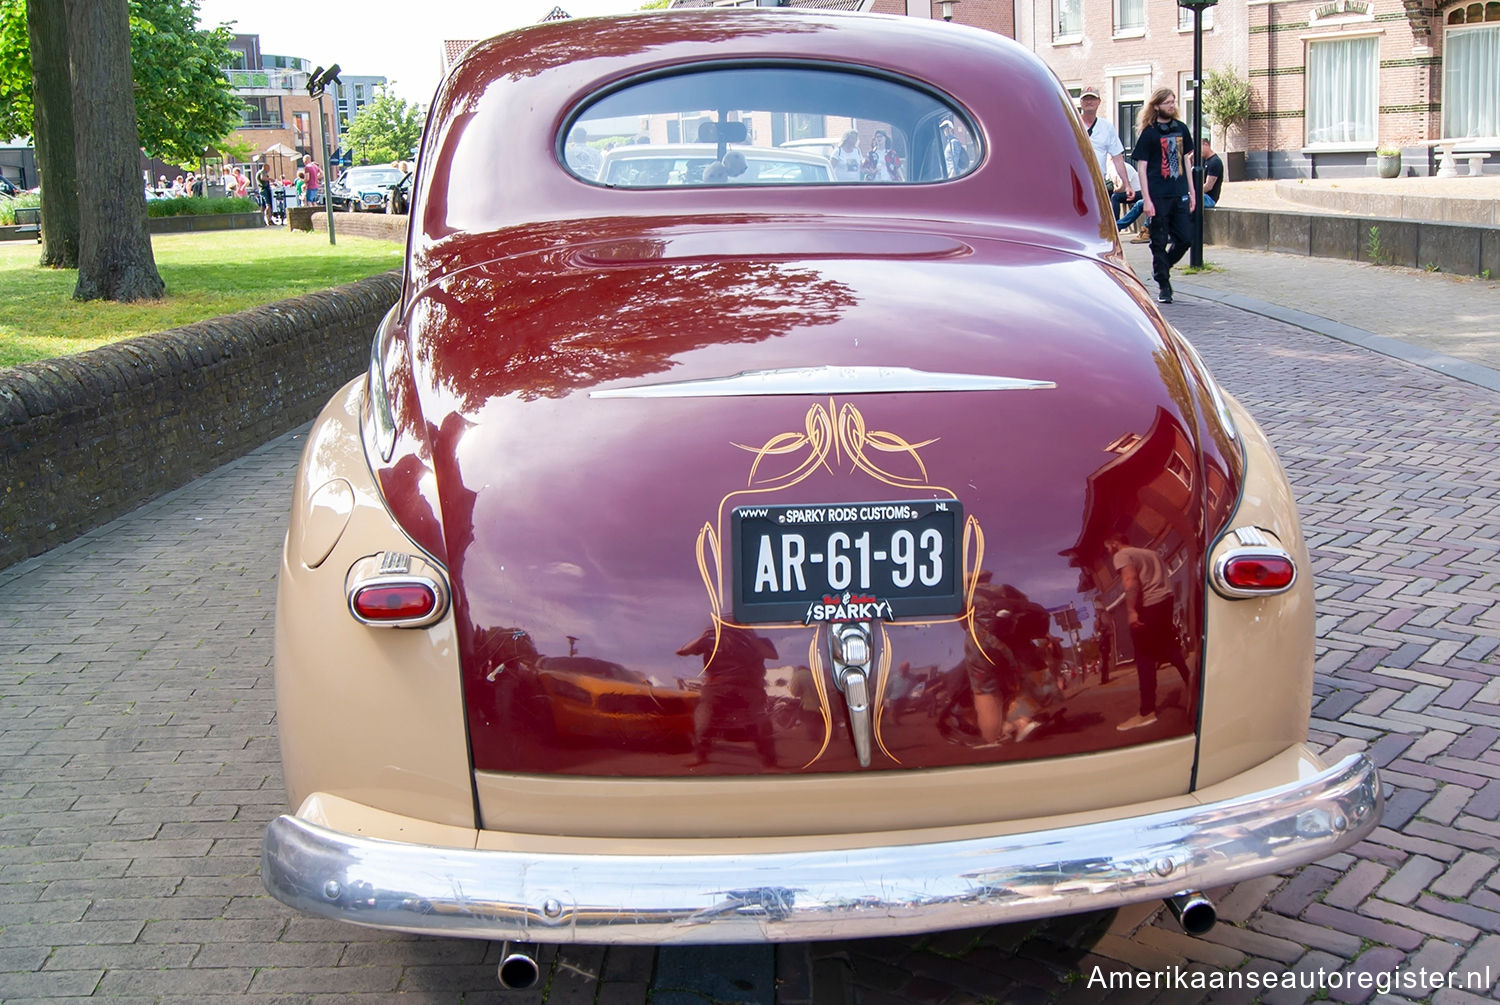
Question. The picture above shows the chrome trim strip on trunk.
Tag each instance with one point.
(823, 380)
(840, 893)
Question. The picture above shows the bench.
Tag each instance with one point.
(29, 220)
(1476, 161)
(1448, 161)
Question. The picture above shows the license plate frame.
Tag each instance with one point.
(806, 590)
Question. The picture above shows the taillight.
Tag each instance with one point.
(401, 602)
(1257, 568)
(1259, 572)
(396, 590)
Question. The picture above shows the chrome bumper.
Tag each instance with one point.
(783, 896)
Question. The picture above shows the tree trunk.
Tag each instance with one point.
(52, 131)
(114, 244)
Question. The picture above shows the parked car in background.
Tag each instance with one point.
(364, 188)
(822, 146)
(710, 562)
(652, 165)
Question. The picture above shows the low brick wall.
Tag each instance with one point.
(300, 217)
(86, 438)
(1454, 248)
(384, 226)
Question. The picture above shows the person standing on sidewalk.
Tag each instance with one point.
(314, 180)
(1164, 157)
(1106, 141)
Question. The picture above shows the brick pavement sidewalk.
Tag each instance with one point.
(138, 761)
(1407, 313)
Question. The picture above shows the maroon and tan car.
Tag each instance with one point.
(717, 559)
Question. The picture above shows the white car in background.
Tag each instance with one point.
(365, 188)
(652, 165)
(823, 146)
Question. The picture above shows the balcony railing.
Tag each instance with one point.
(272, 80)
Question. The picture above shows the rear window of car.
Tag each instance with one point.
(768, 125)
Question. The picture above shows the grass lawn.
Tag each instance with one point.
(207, 275)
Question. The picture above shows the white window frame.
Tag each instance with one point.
(1185, 19)
(1185, 104)
(1373, 106)
(1448, 33)
(1122, 30)
(1064, 33)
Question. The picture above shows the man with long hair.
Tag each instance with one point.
(1163, 156)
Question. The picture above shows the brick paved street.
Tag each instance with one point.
(138, 760)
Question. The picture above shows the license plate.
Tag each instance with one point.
(834, 562)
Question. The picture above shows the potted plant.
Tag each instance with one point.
(1388, 162)
(1226, 103)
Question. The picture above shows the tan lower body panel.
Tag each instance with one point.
(832, 804)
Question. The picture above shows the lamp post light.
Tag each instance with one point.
(317, 84)
(948, 6)
(1195, 256)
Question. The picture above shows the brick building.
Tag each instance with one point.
(1333, 80)
(277, 109)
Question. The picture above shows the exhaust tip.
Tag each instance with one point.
(1195, 913)
(518, 966)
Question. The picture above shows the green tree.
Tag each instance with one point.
(1226, 100)
(15, 70)
(384, 130)
(183, 100)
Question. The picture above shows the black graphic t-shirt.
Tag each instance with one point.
(1161, 147)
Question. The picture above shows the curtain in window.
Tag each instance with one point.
(1185, 18)
(1341, 90)
(1471, 82)
(1069, 18)
(1130, 15)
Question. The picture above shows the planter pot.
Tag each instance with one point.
(1234, 165)
(1388, 165)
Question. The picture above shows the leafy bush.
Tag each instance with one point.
(9, 205)
(199, 206)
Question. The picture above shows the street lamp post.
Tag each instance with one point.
(1195, 256)
(317, 84)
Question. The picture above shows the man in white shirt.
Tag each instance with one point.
(1153, 633)
(1106, 142)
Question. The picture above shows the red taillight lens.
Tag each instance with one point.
(394, 602)
(1259, 572)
